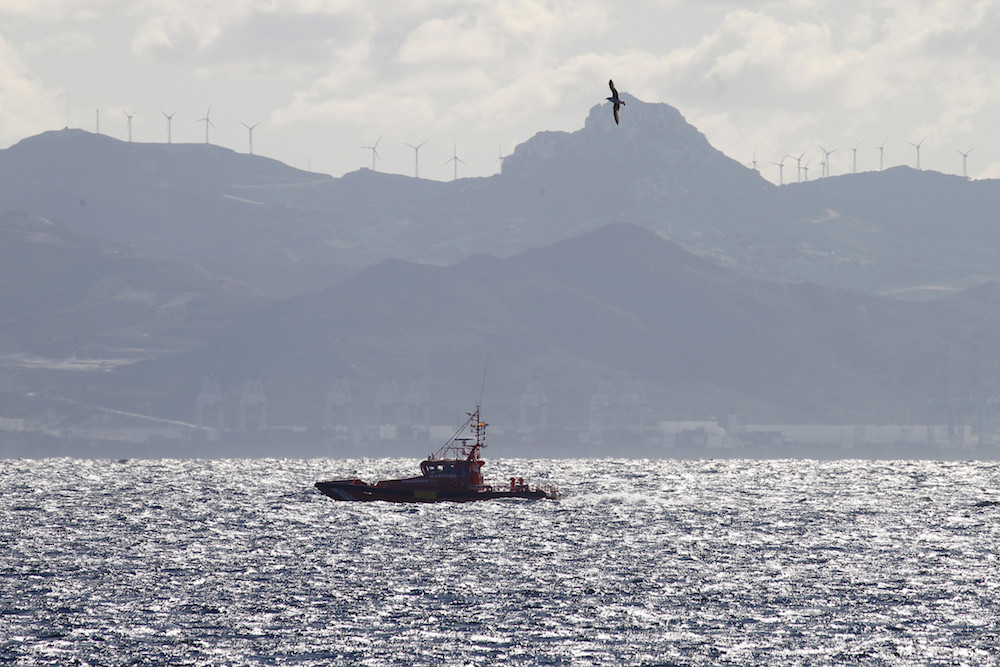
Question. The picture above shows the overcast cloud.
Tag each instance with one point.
(325, 78)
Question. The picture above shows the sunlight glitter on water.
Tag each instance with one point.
(666, 562)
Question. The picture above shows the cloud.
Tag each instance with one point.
(66, 43)
(269, 34)
(25, 104)
(74, 10)
(184, 27)
(452, 40)
(449, 62)
(777, 80)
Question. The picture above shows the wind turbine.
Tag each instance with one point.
(455, 159)
(128, 122)
(753, 163)
(881, 155)
(854, 161)
(965, 158)
(917, 146)
(207, 121)
(97, 121)
(374, 149)
(805, 169)
(416, 157)
(781, 170)
(798, 166)
(500, 158)
(826, 160)
(250, 130)
(169, 117)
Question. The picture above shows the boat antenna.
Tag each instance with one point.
(473, 420)
(482, 390)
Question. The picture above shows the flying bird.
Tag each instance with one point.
(615, 100)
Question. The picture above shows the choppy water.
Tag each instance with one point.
(642, 563)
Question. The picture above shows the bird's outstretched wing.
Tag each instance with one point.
(611, 84)
(617, 107)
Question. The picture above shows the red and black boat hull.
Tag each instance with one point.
(351, 490)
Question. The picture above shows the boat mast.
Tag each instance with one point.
(478, 428)
(457, 447)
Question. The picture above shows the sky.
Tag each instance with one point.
(322, 79)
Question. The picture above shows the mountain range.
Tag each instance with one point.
(618, 306)
(284, 231)
(609, 257)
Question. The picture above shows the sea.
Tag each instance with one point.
(641, 562)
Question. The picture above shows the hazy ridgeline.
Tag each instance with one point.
(636, 291)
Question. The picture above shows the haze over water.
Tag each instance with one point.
(737, 562)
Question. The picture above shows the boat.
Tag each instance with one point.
(453, 474)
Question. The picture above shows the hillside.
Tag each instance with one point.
(615, 306)
(68, 294)
(177, 200)
(900, 232)
(904, 232)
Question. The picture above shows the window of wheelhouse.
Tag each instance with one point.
(445, 468)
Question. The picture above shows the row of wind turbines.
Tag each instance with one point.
(207, 120)
(170, 118)
(802, 170)
(454, 159)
